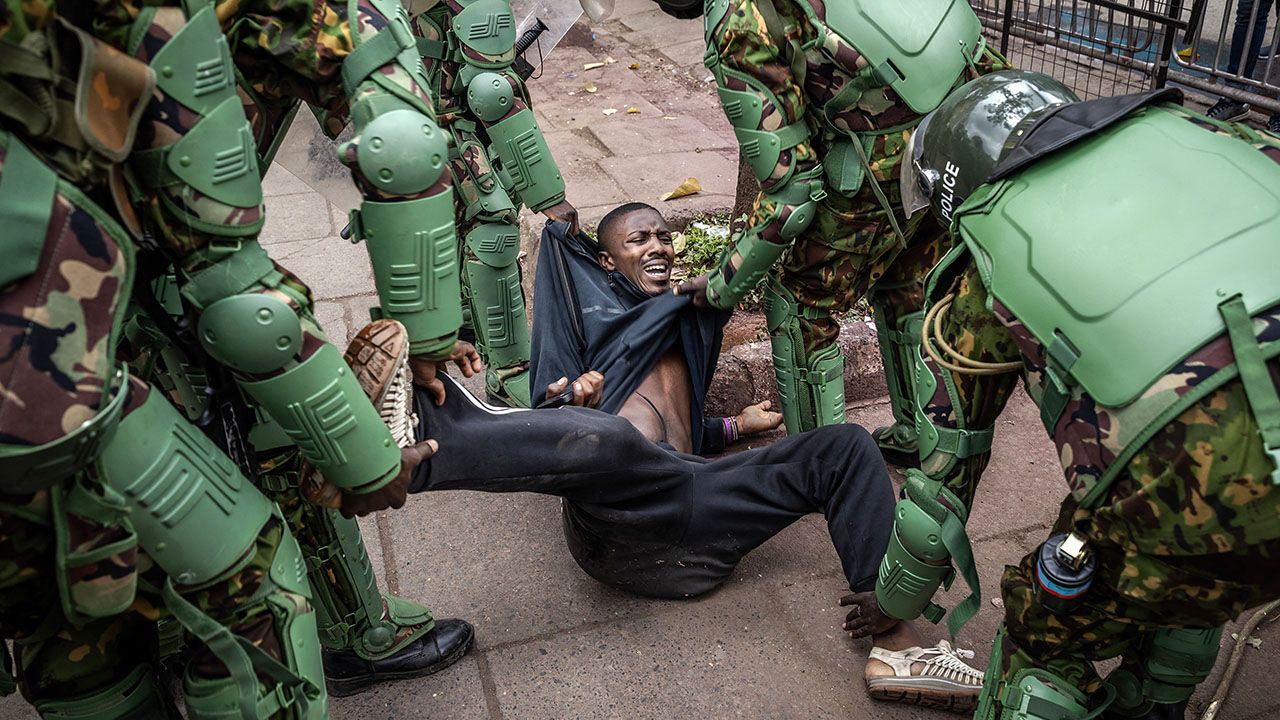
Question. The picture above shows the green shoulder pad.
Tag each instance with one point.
(195, 67)
(917, 47)
(1120, 285)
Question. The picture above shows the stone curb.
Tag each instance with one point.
(745, 376)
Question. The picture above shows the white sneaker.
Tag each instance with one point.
(935, 677)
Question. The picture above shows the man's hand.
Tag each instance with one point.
(755, 419)
(565, 213)
(393, 494)
(464, 355)
(588, 389)
(695, 288)
(866, 618)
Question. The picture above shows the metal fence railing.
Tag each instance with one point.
(1111, 47)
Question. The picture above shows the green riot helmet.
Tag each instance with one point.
(682, 9)
(956, 147)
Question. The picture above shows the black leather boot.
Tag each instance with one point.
(347, 673)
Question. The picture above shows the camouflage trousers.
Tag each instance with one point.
(849, 251)
(1189, 537)
(59, 659)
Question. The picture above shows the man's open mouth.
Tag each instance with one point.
(658, 270)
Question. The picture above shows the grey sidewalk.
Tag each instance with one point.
(553, 643)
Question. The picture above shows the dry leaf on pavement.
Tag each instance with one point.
(633, 111)
(689, 187)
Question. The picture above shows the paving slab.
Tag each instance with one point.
(671, 134)
(646, 177)
(302, 216)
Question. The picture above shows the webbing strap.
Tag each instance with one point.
(27, 189)
(963, 443)
(368, 56)
(792, 135)
(956, 541)
(1255, 378)
(434, 49)
(875, 188)
(243, 659)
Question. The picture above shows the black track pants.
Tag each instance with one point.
(655, 522)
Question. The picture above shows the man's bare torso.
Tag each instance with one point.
(659, 408)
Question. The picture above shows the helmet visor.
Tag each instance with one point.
(912, 181)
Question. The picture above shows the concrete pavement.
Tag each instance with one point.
(553, 643)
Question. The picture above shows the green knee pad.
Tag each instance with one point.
(194, 513)
(1171, 662)
(1030, 693)
(295, 686)
(349, 606)
(898, 346)
(136, 696)
(811, 389)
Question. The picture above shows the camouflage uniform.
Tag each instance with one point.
(60, 325)
(485, 201)
(850, 250)
(1188, 535)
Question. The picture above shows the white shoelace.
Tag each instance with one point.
(941, 661)
(396, 409)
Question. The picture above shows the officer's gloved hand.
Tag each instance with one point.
(464, 355)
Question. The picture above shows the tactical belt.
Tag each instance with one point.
(27, 189)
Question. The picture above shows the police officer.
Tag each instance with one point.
(124, 137)
(822, 102)
(1143, 315)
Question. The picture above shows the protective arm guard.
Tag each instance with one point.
(1171, 662)
(485, 31)
(407, 214)
(793, 206)
(526, 167)
(928, 535)
(316, 401)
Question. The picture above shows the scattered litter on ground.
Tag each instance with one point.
(592, 66)
(634, 66)
(689, 187)
(997, 602)
(715, 231)
(633, 111)
(609, 111)
(590, 87)
(668, 117)
(609, 61)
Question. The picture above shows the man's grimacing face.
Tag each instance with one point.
(640, 247)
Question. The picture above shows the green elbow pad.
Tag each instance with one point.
(914, 565)
(528, 170)
(413, 247)
(321, 407)
(194, 513)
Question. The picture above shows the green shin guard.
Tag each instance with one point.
(1171, 663)
(898, 345)
(349, 606)
(135, 697)
(260, 686)
(1030, 693)
(811, 389)
(496, 299)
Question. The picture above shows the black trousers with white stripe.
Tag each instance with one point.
(652, 521)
